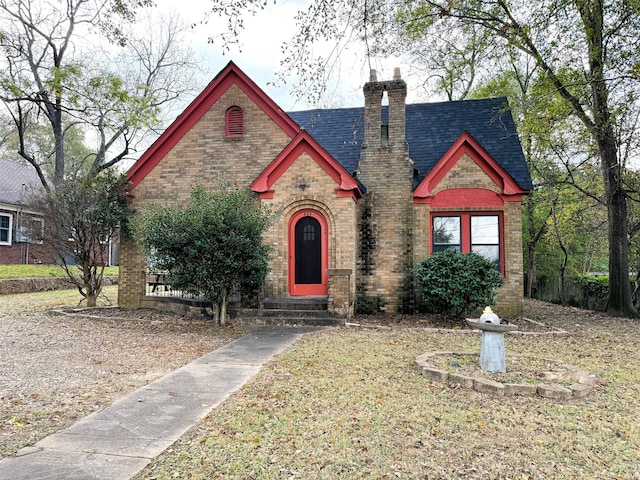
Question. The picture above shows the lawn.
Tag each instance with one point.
(349, 403)
(39, 302)
(16, 271)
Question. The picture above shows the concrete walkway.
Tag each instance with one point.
(119, 441)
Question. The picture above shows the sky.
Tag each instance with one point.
(259, 53)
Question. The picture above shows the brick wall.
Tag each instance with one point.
(385, 214)
(205, 156)
(24, 252)
(319, 195)
(510, 298)
(467, 174)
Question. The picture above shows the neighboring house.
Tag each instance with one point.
(21, 228)
(362, 194)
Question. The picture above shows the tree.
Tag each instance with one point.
(559, 36)
(212, 247)
(39, 142)
(562, 215)
(81, 218)
(55, 78)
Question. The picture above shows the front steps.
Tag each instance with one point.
(288, 311)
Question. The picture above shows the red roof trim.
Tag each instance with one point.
(467, 144)
(230, 75)
(304, 143)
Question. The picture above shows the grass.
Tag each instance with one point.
(350, 404)
(17, 271)
(24, 303)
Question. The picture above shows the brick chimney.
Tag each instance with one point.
(386, 214)
(393, 133)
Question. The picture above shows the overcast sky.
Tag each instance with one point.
(259, 53)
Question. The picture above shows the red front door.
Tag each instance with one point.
(308, 253)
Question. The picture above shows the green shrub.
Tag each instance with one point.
(591, 292)
(453, 283)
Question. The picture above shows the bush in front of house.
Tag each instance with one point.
(453, 283)
(212, 246)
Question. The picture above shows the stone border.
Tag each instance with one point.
(584, 381)
(555, 331)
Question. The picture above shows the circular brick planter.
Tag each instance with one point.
(583, 382)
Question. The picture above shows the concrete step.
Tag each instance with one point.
(296, 303)
(289, 321)
(288, 311)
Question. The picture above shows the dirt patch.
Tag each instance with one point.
(55, 369)
(439, 322)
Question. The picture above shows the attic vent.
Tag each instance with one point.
(234, 122)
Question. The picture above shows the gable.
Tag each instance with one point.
(230, 76)
(467, 166)
(303, 143)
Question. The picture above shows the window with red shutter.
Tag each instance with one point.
(234, 122)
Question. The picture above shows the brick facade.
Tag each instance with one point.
(467, 175)
(372, 242)
(18, 252)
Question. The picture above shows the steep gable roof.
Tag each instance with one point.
(305, 143)
(431, 129)
(467, 145)
(230, 75)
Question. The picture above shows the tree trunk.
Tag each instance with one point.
(620, 302)
(216, 313)
(223, 308)
(565, 258)
(534, 237)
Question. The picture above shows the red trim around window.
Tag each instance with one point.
(465, 231)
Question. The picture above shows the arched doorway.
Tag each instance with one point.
(308, 253)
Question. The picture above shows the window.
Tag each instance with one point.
(5, 228)
(485, 237)
(468, 232)
(234, 119)
(446, 233)
(309, 233)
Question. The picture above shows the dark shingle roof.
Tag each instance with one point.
(431, 128)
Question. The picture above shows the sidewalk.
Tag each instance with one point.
(119, 441)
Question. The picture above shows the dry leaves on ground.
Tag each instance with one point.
(350, 404)
(55, 369)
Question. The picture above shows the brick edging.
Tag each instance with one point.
(583, 385)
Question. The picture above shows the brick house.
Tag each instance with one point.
(21, 227)
(362, 194)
